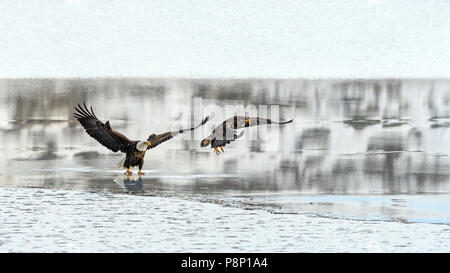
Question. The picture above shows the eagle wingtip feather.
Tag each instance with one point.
(205, 120)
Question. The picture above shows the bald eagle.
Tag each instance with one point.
(226, 131)
(115, 141)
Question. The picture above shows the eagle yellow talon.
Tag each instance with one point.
(140, 173)
(128, 172)
(217, 150)
(221, 147)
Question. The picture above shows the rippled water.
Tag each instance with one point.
(358, 152)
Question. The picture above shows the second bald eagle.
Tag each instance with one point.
(226, 132)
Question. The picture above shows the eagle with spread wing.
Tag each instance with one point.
(115, 141)
(226, 131)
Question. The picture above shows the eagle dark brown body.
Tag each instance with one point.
(115, 141)
(226, 131)
(134, 158)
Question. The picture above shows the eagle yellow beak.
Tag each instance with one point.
(148, 143)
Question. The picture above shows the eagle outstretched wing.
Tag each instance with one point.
(102, 132)
(238, 122)
(158, 139)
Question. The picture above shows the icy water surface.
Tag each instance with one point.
(35, 220)
(366, 156)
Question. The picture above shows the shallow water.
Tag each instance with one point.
(358, 152)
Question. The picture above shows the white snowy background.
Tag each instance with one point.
(223, 38)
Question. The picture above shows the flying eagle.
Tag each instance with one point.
(226, 132)
(115, 141)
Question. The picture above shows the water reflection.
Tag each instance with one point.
(130, 184)
(348, 137)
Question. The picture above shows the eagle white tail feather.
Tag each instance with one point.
(121, 164)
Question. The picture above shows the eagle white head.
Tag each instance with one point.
(142, 145)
